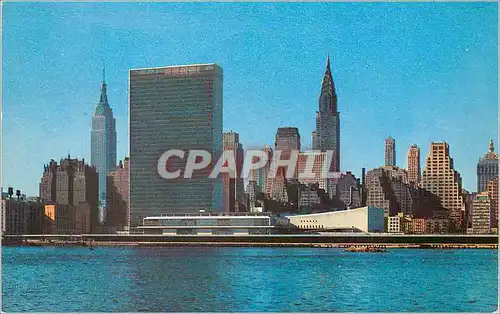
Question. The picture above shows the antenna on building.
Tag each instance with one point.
(103, 72)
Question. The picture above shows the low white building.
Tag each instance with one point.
(208, 224)
(362, 219)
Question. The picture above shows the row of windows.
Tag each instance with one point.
(208, 222)
(169, 107)
(179, 85)
(208, 231)
(173, 75)
(175, 83)
(151, 100)
(311, 227)
(308, 221)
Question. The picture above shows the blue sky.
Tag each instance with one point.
(419, 72)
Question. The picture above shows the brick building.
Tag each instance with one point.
(118, 215)
(72, 187)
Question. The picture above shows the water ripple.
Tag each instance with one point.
(247, 280)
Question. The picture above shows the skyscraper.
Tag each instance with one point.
(493, 195)
(327, 133)
(278, 190)
(234, 189)
(103, 145)
(287, 139)
(319, 170)
(390, 151)
(386, 188)
(487, 168)
(73, 185)
(482, 213)
(348, 190)
(378, 191)
(118, 210)
(252, 191)
(175, 107)
(467, 207)
(260, 175)
(394, 172)
(413, 165)
(440, 178)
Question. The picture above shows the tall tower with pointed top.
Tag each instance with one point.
(103, 144)
(487, 168)
(390, 151)
(326, 137)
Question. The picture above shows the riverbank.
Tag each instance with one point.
(58, 243)
(333, 240)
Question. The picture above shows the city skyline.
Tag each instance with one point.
(53, 115)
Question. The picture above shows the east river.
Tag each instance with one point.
(215, 279)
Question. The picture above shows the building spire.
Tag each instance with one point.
(103, 106)
(328, 96)
(103, 72)
(328, 70)
(104, 96)
(491, 148)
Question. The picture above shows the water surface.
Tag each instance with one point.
(247, 279)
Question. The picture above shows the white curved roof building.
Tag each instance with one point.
(362, 219)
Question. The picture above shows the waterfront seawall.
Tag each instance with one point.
(320, 241)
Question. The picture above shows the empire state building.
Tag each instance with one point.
(103, 145)
(326, 137)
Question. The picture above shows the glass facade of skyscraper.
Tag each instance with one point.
(178, 107)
